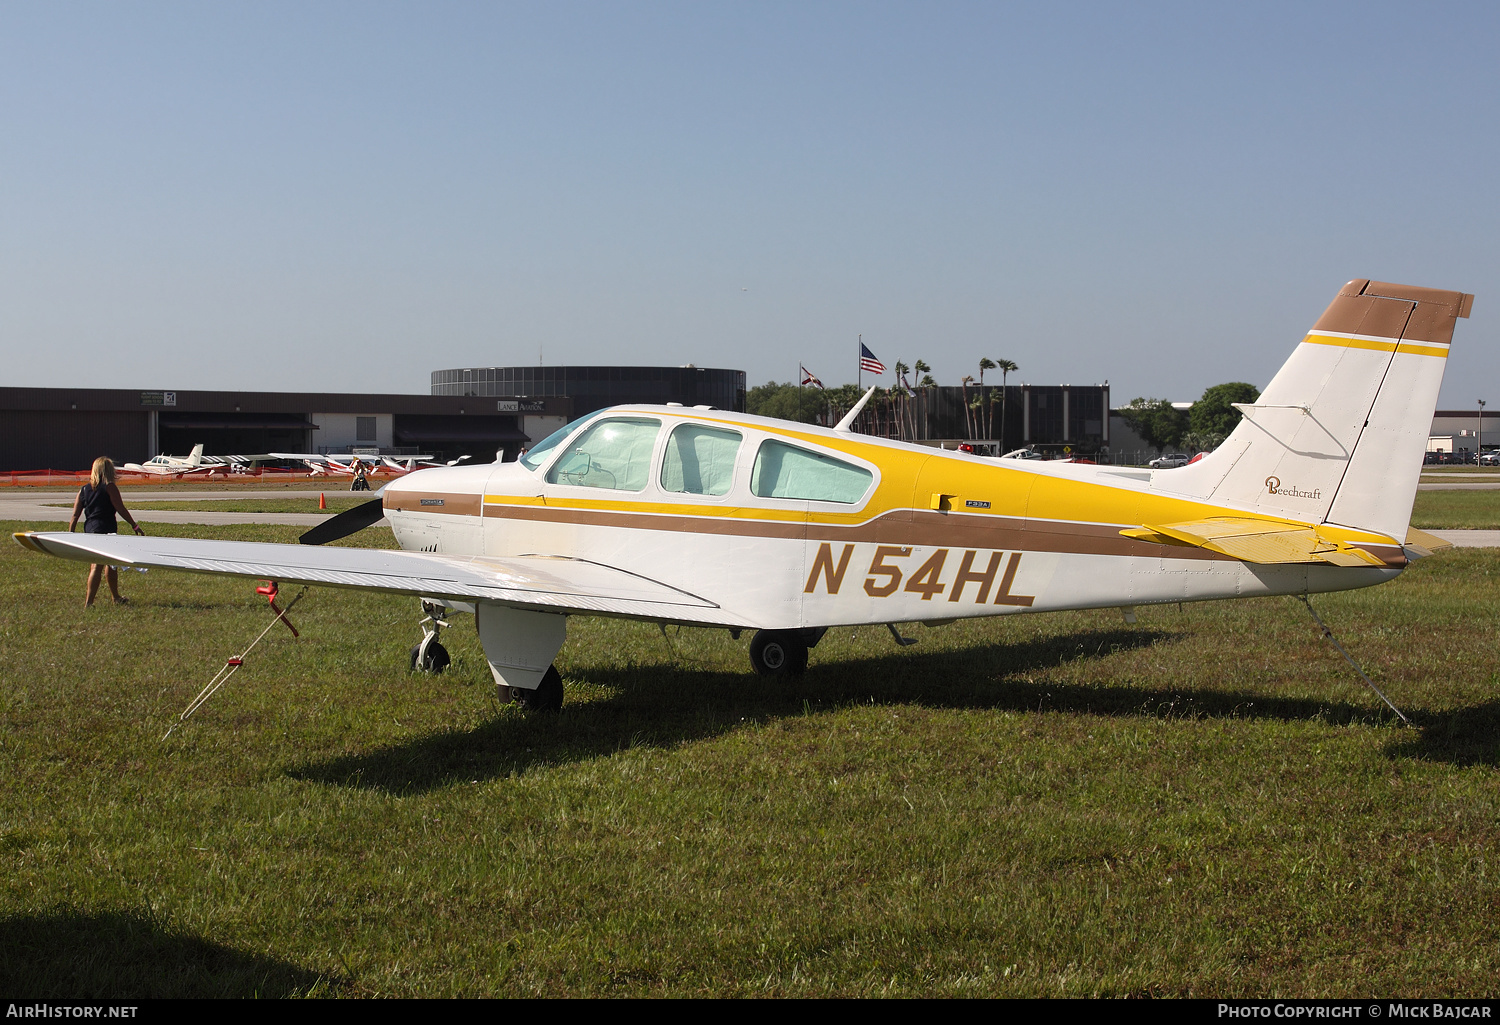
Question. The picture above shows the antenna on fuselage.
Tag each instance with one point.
(847, 423)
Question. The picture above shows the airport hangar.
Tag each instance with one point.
(67, 428)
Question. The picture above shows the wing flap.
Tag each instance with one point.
(543, 583)
(1267, 542)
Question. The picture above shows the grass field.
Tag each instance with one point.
(1456, 510)
(1206, 803)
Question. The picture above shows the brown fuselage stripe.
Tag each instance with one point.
(452, 504)
(905, 526)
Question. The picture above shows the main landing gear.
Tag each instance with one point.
(783, 652)
(548, 696)
(518, 645)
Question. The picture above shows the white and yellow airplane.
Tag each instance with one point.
(709, 518)
(194, 463)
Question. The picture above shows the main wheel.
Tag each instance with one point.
(547, 697)
(436, 661)
(778, 653)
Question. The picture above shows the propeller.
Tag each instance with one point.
(347, 522)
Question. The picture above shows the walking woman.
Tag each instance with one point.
(97, 503)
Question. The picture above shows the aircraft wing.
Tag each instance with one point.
(1258, 541)
(536, 582)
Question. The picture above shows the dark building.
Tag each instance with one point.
(593, 388)
(1051, 418)
(67, 428)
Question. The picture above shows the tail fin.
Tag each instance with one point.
(196, 456)
(1339, 433)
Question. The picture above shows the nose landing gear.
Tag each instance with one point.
(429, 656)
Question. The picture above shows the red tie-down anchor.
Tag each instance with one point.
(269, 589)
(233, 665)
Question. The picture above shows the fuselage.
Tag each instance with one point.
(786, 525)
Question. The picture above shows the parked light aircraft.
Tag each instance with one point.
(194, 462)
(710, 518)
(407, 464)
(343, 463)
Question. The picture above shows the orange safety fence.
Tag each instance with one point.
(127, 478)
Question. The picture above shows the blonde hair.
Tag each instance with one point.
(103, 471)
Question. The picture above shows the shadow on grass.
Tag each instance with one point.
(666, 705)
(127, 954)
(1462, 736)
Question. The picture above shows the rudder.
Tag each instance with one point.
(1339, 433)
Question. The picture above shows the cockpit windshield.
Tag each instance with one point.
(542, 449)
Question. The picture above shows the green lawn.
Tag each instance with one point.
(1456, 510)
(1205, 803)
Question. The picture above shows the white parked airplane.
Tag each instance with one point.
(407, 464)
(194, 462)
(721, 519)
(343, 463)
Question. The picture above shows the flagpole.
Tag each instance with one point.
(859, 363)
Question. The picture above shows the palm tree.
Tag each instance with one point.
(1006, 367)
(921, 367)
(899, 395)
(968, 428)
(985, 363)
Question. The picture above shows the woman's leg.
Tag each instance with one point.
(113, 575)
(96, 571)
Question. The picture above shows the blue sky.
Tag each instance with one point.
(348, 196)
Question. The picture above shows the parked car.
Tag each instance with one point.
(1490, 459)
(1168, 462)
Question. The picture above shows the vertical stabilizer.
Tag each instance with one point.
(1339, 434)
(196, 456)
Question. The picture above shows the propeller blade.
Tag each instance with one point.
(345, 523)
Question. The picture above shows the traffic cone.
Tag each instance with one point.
(322, 502)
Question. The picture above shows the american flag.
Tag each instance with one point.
(808, 378)
(867, 360)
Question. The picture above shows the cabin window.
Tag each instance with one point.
(611, 454)
(784, 471)
(700, 460)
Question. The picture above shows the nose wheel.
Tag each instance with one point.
(429, 656)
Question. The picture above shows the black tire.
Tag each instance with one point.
(547, 697)
(437, 658)
(778, 653)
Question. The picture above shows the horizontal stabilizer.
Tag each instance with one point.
(1422, 544)
(1266, 542)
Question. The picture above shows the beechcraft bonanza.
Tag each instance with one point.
(194, 463)
(707, 518)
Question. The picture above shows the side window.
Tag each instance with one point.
(700, 460)
(610, 454)
(783, 471)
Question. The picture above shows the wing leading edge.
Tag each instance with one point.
(536, 582)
